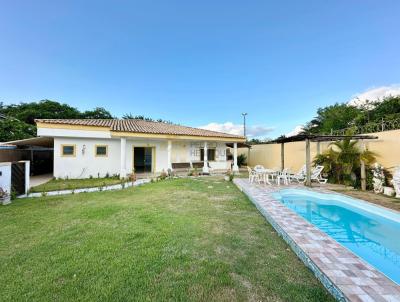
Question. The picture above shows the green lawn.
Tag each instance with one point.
(68, 184)
(177, 240)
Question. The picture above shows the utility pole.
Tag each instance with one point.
(244, 124)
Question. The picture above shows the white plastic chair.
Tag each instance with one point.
(316, 175)
(285, 176)
(299, 176)
(253, 175)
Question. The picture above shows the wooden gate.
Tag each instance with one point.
(18, 177)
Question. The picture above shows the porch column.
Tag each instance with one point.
(122, 173)
(169, 150)
(205, 166)
(235, 167)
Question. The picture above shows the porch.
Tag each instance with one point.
(151, 157)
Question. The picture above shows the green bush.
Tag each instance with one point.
(342, 162)
(241, 160)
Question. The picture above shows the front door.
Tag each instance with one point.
(143, 158)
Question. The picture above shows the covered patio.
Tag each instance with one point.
(308, 138)
(38, 150)
(180, 155)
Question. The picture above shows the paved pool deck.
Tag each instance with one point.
(345, 275)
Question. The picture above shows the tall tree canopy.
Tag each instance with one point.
(341, 116)
(13, 129)
(130, 116)
(18, 120)
(28, 112)
(98, 112)
(333, 117)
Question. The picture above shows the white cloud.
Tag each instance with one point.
(375, 94)
(237, 129)
(295, 131)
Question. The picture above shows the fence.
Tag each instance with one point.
(387, 148)
(370, 127)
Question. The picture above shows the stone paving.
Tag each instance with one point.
(345, 275)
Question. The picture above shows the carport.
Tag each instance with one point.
(38, 150)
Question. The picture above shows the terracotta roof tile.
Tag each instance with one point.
(140, 126)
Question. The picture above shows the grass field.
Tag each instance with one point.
(177, 240)
(69, 184)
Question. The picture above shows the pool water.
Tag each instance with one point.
(371, 232)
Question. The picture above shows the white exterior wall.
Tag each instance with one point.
(161, 156)
(5, 177)
(72, 133)
(86, 164)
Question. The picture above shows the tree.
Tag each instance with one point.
(335, 117)
(12, 129)
(130, 116)
(97, 113)
(22, 117)
(389, 108)
(28, 112)
(342, 160)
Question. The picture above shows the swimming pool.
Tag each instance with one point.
(371, 232)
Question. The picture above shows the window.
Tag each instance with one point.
(101, 150)
(68, 150)
(210, 154)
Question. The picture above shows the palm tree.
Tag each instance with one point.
(343, 159)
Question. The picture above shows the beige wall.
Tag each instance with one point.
(180, 152)
(387, 146)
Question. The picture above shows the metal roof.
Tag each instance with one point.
(34, 141)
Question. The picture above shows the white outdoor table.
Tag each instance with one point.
(265, 173)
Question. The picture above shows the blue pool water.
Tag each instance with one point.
(371, 232)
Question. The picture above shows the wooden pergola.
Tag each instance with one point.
(320, 138)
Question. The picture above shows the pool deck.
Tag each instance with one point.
(345, 275)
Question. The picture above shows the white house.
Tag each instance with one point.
(96, 147)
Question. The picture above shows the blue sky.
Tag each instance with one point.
(199, 62)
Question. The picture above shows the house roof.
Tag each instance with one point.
(140, 126)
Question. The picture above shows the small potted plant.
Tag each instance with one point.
(163, 175)
(133, 176)
(5, 198)
(229, 175)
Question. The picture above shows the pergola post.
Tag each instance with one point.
(282, 156)
(318, 148)
(308, 163)
(363, 172)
